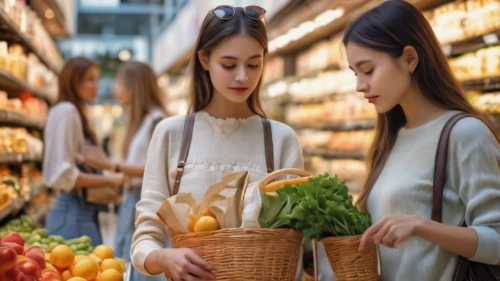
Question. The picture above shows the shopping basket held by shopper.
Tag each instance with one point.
(66, 132)
(228, 135)
(401, 69)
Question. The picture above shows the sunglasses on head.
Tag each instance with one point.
(226, 12)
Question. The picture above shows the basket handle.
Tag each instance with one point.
(289, 171)
(315, 259)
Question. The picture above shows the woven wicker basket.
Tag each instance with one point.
(248, 254)
(347, 263)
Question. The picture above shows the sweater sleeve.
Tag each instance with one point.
(291, 151)
(475, 172)
(150, 234)
(63, 140)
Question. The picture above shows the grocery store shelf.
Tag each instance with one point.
(18, 119)
(327, 154)
(314, 73)
(11, 157)
(349, 125)
(56, 25)
(471, 44)
(482, 84)
(21, 38)
(16, 205)
(10, 81)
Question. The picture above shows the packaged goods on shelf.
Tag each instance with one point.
(325, 84)
(489, 103)
(26, 104)
(464, 19)
(27, 68)
(274, 70)
(28, 23)
(352, 171)
(482, 63)
(351, 107)
(353, 141)
(17, 140)
(320, 56)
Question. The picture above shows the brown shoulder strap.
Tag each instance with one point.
(440, 166)
(268, 142)
(185, 144)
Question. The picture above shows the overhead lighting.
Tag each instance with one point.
(49, 13)
(124, 55)
(305, 28)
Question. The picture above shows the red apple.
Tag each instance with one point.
(38, 259)
(50, 275)
(15, 274)
(34, 250)
(50, 269)
(19, 249)
(30, 268)
(9, 259)
(13, 237)
(28, 278)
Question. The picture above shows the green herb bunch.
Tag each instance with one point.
(320, 207)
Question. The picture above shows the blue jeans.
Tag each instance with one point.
(70, 220)
(125, 231)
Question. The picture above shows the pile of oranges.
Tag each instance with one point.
(101, 265)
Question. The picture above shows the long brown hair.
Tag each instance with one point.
(71, 75)
(141, 82)
(388, 28)
(213, 32)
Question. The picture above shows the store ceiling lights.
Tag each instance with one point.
(305, 28)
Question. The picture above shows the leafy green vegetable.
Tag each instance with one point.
(320, 207)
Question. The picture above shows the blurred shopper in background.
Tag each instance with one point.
(138, 92)
(66, 133)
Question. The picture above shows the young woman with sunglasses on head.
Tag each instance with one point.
(402, 70)
(228, 135)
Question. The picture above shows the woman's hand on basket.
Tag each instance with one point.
(392, 231)
(185, 265)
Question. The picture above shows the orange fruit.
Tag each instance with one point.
(110, 275)
(206, 223)
(66, 275)
(76, 279)
(122, 263)
(111, 263)
(79, 258)
(62, 257)
(87, 269)
(104, 252)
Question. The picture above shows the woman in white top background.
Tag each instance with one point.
(138, 92)
(66, 133)
(403, 71)
(228, 135)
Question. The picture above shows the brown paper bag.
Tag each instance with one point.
(222, 199)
